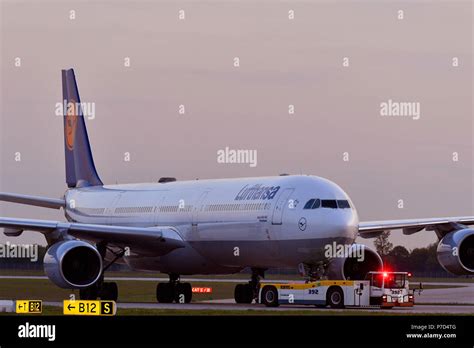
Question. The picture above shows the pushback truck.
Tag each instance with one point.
(390, 289)
(381, 289)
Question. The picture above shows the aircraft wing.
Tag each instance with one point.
(157, 240)
(441, 226)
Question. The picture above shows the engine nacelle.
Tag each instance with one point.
(456, 252)
(73, 264)
(360, 260)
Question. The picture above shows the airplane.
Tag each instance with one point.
(217, 226)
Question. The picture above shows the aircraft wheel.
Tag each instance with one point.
(89, 293)
(165, 292)
(247, 293)
(188, 292)
(109, 292)
(238, 293)
(183, 293)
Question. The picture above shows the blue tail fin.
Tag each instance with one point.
(80, 169)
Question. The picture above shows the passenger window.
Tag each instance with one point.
(329, 203)
(316, 204)
(343, 204)
(309, 204)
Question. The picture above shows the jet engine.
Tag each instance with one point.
(356, 262)
(456, 252)
(73, 264)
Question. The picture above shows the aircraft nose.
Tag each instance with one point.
(346, 226)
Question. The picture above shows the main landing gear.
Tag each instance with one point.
(174, 291)
(107, 291)
(246, 293)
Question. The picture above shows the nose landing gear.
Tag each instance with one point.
(246, 293)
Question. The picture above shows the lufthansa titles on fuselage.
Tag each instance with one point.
(257, 191)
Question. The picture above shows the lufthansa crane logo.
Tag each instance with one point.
(302, 224)
(71, 123)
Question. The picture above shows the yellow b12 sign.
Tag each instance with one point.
(80, 307)
(29, 306)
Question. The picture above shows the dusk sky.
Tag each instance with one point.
(424, 58)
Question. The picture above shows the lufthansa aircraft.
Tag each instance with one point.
(207, 226)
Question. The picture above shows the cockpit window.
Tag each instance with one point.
(309, 204)
(343, 204)
(329, 203)
(316, 204)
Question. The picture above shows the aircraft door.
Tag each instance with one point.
(280, 206)
(110, 210)
(160, 200)
(197, 208)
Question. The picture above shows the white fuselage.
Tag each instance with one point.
(227, 224)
